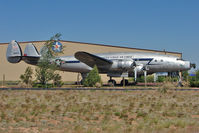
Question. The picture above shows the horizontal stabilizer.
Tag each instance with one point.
(14, 53)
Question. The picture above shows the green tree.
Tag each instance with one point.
(197, 75)
(46, 66)
(44, 72)
(194, 80)
(92, 78)
(185, 75)
(27, 76)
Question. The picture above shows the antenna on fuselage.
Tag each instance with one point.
(165, 52)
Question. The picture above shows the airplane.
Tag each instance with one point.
(120, 64)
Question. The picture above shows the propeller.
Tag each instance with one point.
(193, 65)
(135, 70)
(139, 68)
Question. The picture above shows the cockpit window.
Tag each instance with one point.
(180, 59)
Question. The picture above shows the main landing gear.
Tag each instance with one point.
(111, 82)
(124, 82)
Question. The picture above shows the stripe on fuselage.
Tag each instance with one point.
(72, 61)
(144, 59)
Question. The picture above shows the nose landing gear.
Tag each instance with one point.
(180, 79)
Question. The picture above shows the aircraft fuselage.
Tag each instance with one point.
(154, 62)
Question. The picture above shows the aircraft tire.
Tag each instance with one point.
(112, 82)
(125, 81)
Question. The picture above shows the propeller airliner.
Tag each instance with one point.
(120, 64)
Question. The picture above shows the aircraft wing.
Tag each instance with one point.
(92, 60)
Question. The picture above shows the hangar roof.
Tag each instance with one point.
(100, 45)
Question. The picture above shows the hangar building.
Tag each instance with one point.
(12, 72)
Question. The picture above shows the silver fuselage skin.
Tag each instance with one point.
(154, 62)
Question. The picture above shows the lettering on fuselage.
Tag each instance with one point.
(118, 57)
(148, 60)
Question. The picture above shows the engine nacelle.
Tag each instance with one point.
(122, 64)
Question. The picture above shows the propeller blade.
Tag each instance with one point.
(193, 65)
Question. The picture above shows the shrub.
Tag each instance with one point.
(39, 85)
(165, 87)
(98, 85)
(185, 75)
(194, 80)
(27, 76)
(161, 79)
(141, 114)
(57, 80)
(150, 78)
(117, 113)
(92, 78)
(140, 79)
(194, 83)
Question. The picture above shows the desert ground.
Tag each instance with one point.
(91, 111)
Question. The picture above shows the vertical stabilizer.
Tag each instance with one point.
(31, 55)
(14, 53)
(31, 51)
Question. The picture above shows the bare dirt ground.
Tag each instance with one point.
(98, 111)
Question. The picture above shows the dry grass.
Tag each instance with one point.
(99, 111)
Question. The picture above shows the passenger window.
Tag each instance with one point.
(161, 60)
(155, 60)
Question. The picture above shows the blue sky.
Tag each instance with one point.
(172, 25)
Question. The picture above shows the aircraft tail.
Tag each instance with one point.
(31, 55)
(14, 53)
